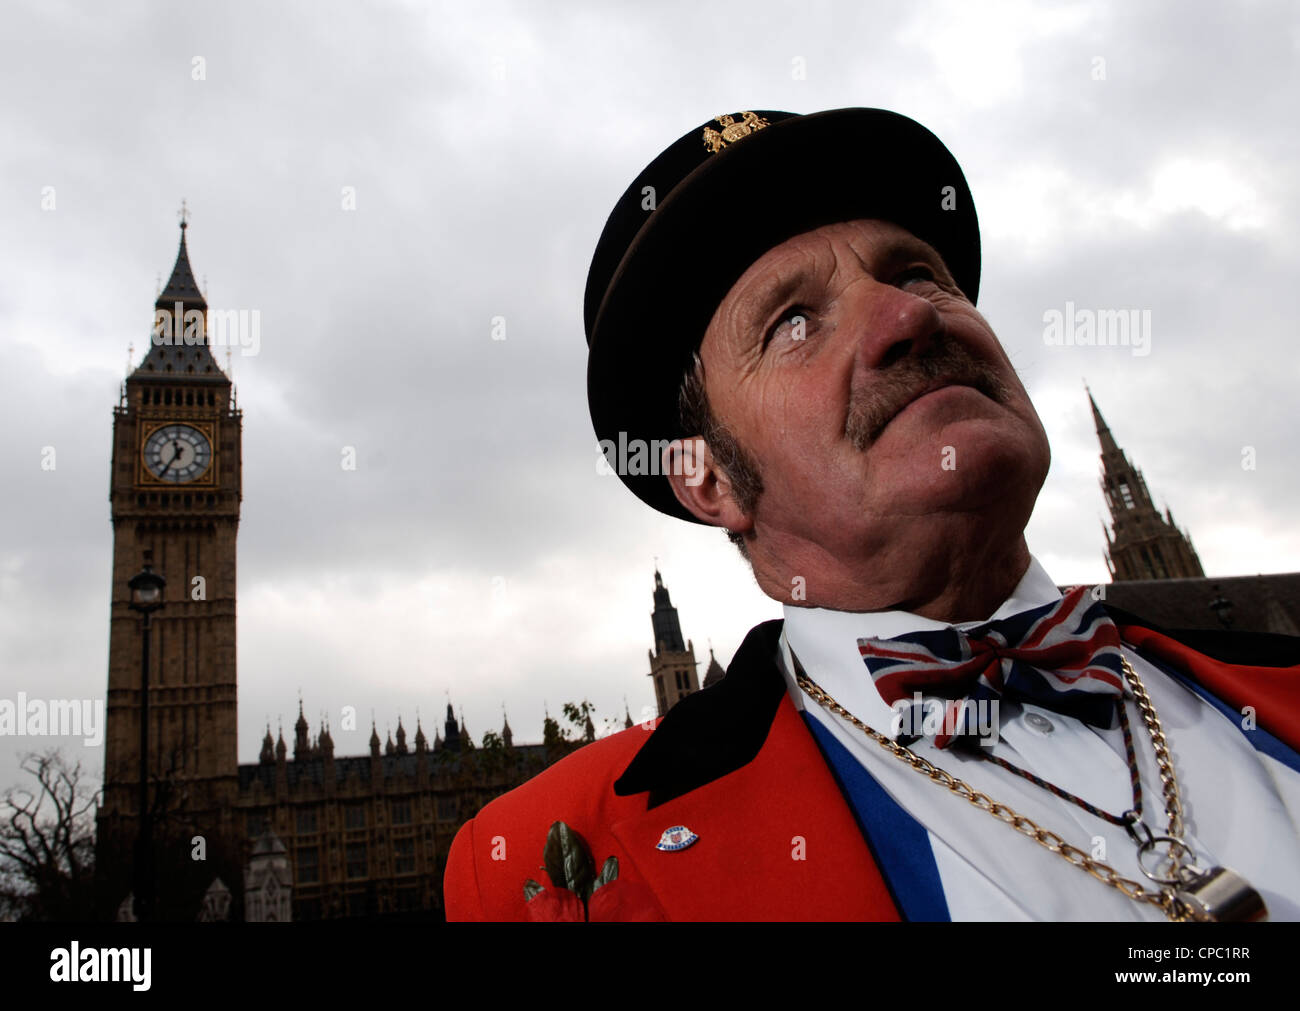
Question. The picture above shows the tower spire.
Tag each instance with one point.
(301, 744)
(451, 739)
(178, 344)
(1107, 440)
(1144, 544)
(181, 286)
(667, 627)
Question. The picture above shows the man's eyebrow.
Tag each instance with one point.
(909, 247)
(763, 299)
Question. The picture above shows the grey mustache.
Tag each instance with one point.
(943, 361)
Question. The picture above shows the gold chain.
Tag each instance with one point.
(1166, 898)
(1173, 806)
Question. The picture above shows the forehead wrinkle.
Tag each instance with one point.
(895, 246)
(792, 268)
(847, 267)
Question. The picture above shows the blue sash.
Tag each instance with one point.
(900, 843)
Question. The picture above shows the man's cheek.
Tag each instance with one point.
(792, 416)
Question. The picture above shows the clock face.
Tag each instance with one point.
(177, 453)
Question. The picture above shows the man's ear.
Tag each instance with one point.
(701, 486)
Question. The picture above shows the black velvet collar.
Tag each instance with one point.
(714, 731)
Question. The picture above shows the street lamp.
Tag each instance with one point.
(1222, 608)
(146, 597)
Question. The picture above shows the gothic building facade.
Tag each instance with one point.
(369, 835)
(1141, 543)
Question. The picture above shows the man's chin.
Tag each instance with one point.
(955, 461)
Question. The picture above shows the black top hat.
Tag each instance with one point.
(711, 204)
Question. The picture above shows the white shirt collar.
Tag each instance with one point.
(826, 642)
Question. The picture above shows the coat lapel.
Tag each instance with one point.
(736, 765)
(776, 842)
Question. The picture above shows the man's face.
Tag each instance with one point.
(872, 395)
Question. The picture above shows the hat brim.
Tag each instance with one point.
(786, 179)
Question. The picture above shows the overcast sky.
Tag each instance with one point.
(1121, 155)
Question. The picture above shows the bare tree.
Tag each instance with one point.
(47, 843)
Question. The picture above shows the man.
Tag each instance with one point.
(932, 732)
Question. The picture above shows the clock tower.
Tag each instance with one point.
(175, 494)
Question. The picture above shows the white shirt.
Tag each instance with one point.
(1241, 808)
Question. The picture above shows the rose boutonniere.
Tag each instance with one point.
(578, 894)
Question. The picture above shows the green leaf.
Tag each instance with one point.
(608, 873)
(553, 857)
(568, 860)
(531, 889)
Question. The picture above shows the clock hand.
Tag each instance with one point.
(175, 456)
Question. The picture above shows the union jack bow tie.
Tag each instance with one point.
(1062, 656)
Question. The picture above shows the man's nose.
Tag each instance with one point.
(889, 322)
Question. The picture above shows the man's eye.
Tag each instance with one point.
(793, 322)
(917, 273)
(920, 275)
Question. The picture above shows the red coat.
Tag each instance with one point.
(737, 765)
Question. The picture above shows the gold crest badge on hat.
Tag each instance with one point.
(716, 140)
